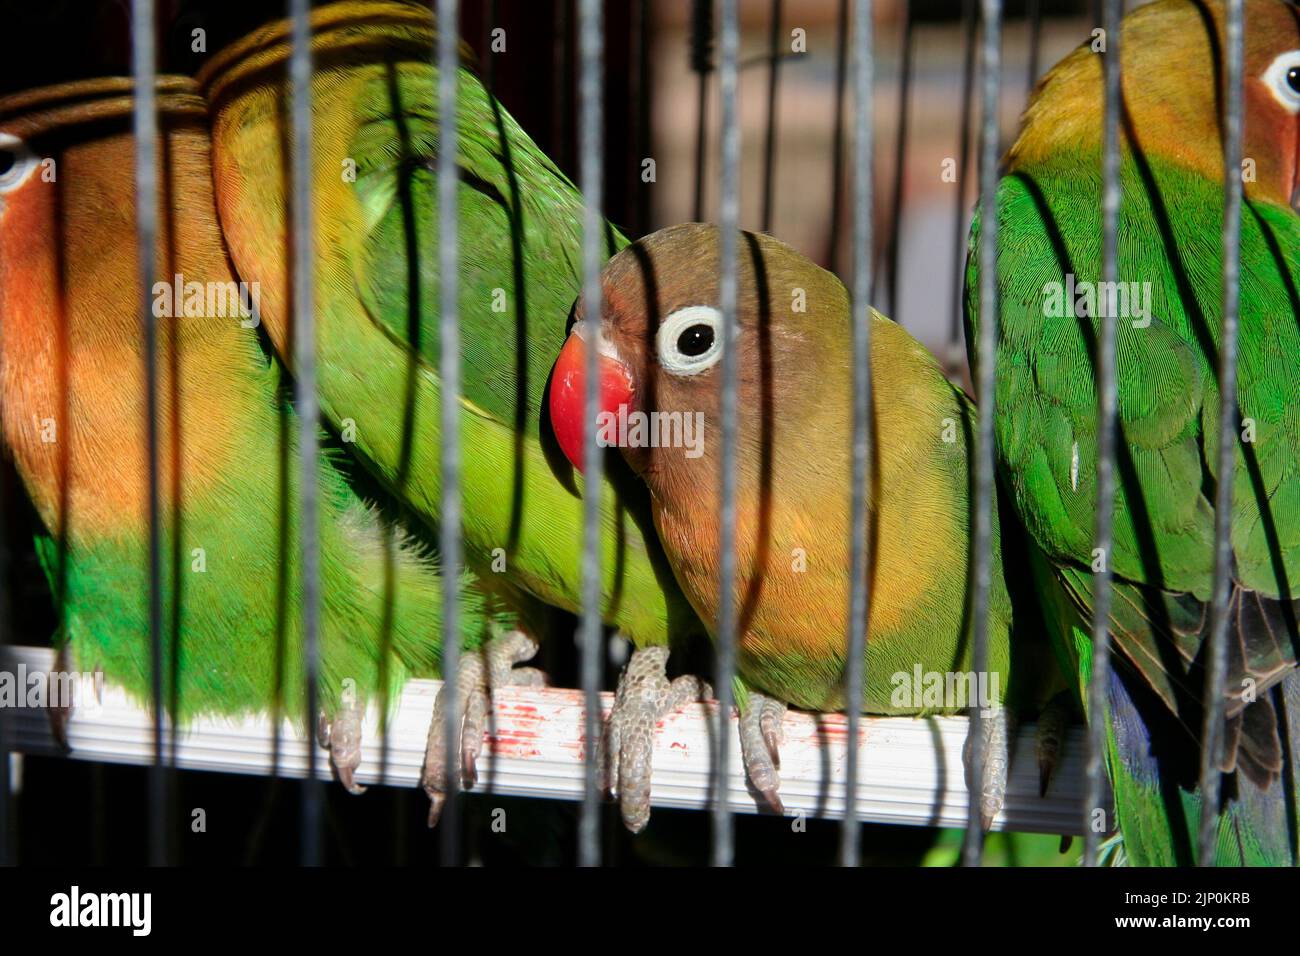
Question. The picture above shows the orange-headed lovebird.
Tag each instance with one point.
(661, 345)
(374, 155)
(73, 411)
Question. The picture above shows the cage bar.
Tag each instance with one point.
(991, 67)
(449, 529)
(729, 221)
(859, 599)
(304, 358)
(1106, 426)
(145, 120)
(1216, 673)
(591, 149)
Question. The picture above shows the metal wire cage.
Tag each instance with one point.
(873, 272)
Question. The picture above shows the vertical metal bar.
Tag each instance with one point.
(449, 531)
(990, 67)
(969, 21)
(1216, 675)
(144, 72)
(1034, 17)
(729, 221)
(773, 85)
(304, 361)
(1106, 392)
(837, 145)
(591, 150)
(859, 599)
(702, 65)
(900, 160)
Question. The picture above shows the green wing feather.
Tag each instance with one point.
(378, 307)
(520, 230)
(1168, 404)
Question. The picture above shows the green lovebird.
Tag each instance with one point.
(1168, 308)
(374, 152)
(660, 351)
(74, 422)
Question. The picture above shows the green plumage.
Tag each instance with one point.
(1169, 314)
(229, 527)
(232, 625)
(378, 294)
(1168, 391)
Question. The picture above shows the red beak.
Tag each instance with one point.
(568, 393)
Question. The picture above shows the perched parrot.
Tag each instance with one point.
(1168, 308)
(660, 347)
(374, 153)
(73, 406)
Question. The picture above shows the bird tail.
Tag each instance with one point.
(1153, 765)
(1154, 719)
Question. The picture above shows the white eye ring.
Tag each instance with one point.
(671, 358)
(24, 164)
(1276, 78)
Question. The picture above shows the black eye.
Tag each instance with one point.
(695, 340)
(1293, 78)
(7, 160)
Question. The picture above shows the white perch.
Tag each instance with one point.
(910, 769)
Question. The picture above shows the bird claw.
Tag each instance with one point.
(760, 740)
(644, 696)
(1052, 722)
(342, 738)
(996, 732)
(481, 672)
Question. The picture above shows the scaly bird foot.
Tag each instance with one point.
(481, 672)
(761, 737)
(1052, 722)
(342, 738)
(997, 731)
(644, 695)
